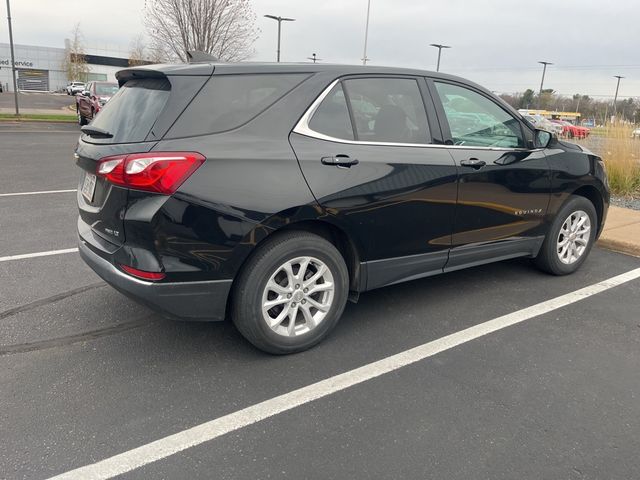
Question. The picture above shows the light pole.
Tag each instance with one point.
(280, 20)
(365, 59)
(615, 98)
(544, 70)
(13, 60)
(439, 47)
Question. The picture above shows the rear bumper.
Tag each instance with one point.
(184, 300)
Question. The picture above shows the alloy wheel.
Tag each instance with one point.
(574, 237)
(298, 296)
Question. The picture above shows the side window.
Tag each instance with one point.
(475, 120)
(388, 110)
(229, 101)
(332, 116)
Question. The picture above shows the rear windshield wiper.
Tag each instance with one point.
(96, 132)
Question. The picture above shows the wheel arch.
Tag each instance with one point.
(596, 197)
(337, 235)
(341, 240)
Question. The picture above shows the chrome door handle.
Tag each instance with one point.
(339, 161)
(473, 163)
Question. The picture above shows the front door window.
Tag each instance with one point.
(477, 121)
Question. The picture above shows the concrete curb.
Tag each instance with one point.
(620, 246)
(622, 231)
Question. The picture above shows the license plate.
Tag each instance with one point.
(89, 186)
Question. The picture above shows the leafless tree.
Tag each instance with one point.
(224, 28)
(75, 62)
(138, 52)
(158, 53)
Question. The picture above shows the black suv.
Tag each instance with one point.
(272, 193)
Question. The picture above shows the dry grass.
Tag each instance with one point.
(621, 155)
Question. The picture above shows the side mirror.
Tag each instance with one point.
(543, 139)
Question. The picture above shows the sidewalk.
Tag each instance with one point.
(622, 231)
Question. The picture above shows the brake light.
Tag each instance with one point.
(153, 276)
(161, 172)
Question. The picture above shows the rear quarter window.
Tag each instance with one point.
(227, 102)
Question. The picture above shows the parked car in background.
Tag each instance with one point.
(581, 132)
(531, 119)
(96, 95)
(74, 88)
(542, 123)
(572, 131)
(565, 128)
(271, 194)
(635, 133)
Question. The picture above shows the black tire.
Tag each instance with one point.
(548, 258)
(252, 282)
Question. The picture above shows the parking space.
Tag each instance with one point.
(86, 373)
(50, 214)
(38, 158)
(552, 398)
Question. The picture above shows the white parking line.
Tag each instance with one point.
(36, 193)
(38, 254)
(164, 447)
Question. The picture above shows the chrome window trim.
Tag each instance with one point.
(302, 128)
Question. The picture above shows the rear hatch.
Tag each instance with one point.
(135, 118)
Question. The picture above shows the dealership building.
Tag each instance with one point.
(42, 68)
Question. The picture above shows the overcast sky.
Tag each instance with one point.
(495, 42)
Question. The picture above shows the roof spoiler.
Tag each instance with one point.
(195, 56)
(164, 71)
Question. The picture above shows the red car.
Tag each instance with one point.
(92, 99)
(572, 131)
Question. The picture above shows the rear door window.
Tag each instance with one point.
(331, 118)
(383, 110)
(388, 110)
(132, 111)
(227, 102)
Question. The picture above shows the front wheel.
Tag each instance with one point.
(290, 293)
(570, 238)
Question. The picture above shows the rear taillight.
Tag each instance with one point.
(161, 172)
(153, 276)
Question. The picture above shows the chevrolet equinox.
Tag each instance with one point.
(271, 194)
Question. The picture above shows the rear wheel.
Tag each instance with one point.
(291, 293)
(570, 238)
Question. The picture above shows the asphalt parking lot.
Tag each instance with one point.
(38, 101)
(86, 374)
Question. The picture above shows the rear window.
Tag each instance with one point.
(132, 111)
(229, 101)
